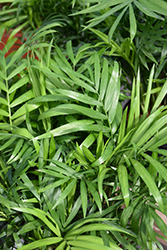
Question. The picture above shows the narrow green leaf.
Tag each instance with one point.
(89, 140)
(29, 227)
(19, 84)
(16, 150)
(4, 113)
(3, 101)
(23, 98)
(101, 177)
(65, 193)
(95, 194)
(70, 51)
(137, 109)
(99, 6)
(17, 55)
(122, 128)
(4, 201)
(104, 79)
(145, 125)
(100, 145)
(8, 143)
(17, 70)
(112, 92)
(133, 24)
(22, 132)
(73, 212)
(42, 243)
(145, 175)
(141, 6)
(157, 165)
(79, 97)
(108, 150)
(115, 24)
(92, 245)
(160, 97)
(160, 6)
(152, 130)
(97, 71)
(148, 95)
(88, 154)
(2, 85)
(28, 183)
(123, 179)
(84, 198)
(100, 34)
(40, 214)
(53, 185)
(99, 226)
(22, 110)
(159, 221)
(66, 129)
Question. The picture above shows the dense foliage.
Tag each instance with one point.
(83, 125)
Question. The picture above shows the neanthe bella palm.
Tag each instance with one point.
(83, 114)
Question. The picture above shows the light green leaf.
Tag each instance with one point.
(160, 6)
(152, 130)
(17, 70)
(16, 150)
(28, 183)
(4, 201)
(145, 175)
(4, 113)
(148, 95)
(29, 227)
(97, 70)
(104, 79)
(100, 145)
(17, 55)
(40, 214)
(70, 51)
(133, 24)
(2, 85)
(23, 98)
(42, 243)
(112, 92)
(83, 191)
(53, 185)
(67, 128)
(115, 24)
(101, 177)
(19, 84)
(65, 193)
(160, 97)
(99, 6)
(123, 179)
(122, 128)
(159, 222)
(88, 154)
(22, 132)
(98, 226)
(74, 211)
(79, 97)
(141, 131)
(141, 6)
(157, 165)
(22, 110)
(92, 245)
(95, 194)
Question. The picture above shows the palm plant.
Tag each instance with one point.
(71, 158)
(133, 32)
(18, 16)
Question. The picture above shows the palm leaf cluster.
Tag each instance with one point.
(77, 170)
